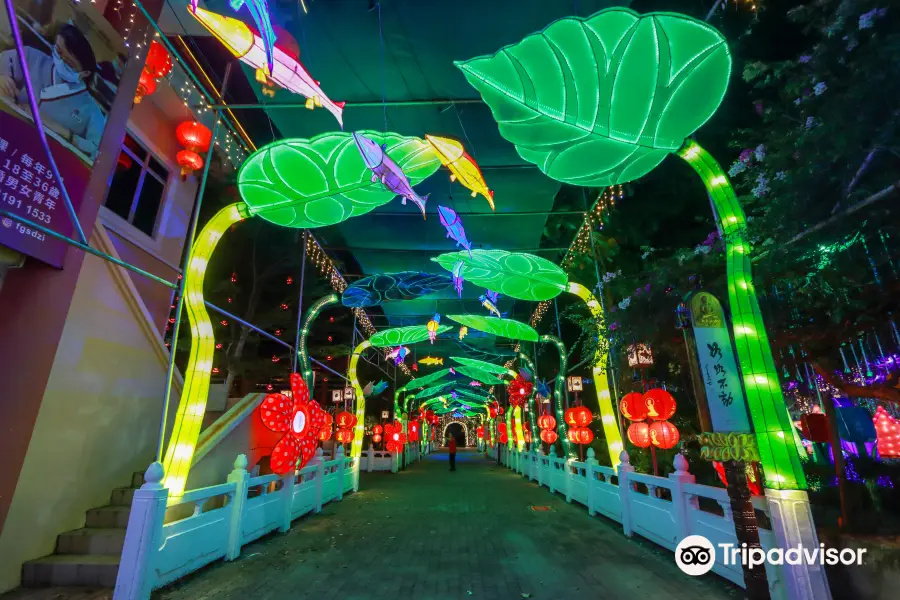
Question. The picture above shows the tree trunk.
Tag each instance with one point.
(755, 581)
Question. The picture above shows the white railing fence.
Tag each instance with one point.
(663, 510)
(223, 518)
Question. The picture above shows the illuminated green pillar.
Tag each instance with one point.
(558, 393)
(314, 310)
(359, 430)
(771, 421)
(535, 430)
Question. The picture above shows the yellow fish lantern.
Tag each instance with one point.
(432, 327)
(463, 331)
(462, 166)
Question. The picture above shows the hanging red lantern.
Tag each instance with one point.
(376, 438)
(195, 137)
(146, 86)
(583, 435)
(527, 436)
(328, 419)
(887, 428)
(412, 430)
(479, 431)
(549, 436)
(158, 63)
(633, 407)
(660, 404)
(814, 427)
(639, 434)
(546, 421)
(378, 430)
(189, 161)
(344, 436)
(501, 428)
(325, 434)
(578, 416)
(663, 434)
(345, 419)
(570, 434)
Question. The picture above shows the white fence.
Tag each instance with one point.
(159, 551)
(663, 510)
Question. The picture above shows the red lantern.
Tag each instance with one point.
(503, 438)
(196, 137)
(328, 419)
(582, 435)
(546, 421)
(632, 407)
(501, 428)
(325, 434)
(527, 436)
(378, 430)
(571, 434)
(146, 86)
(639, 435)
(344, 436)
(480, 432)
(814, 427)
(430, 416)
(189, 161)
(663, 434)
(549, 436)
(376, 438)
(887, 428)
(413, 431)
(158, 63)
(660, 404)
(579, 416)
(345, 420)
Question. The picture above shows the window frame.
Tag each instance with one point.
(145, 169)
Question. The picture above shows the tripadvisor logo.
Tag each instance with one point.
(696, 555)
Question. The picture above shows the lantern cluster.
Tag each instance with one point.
(157, 66)
(502, 435)
(495, 410)
(195, 137)
(578, 418)
(887, 428)
(518, 390)
(548, 428)
(345, 422)
(393, 432)
(658, 406)
(376, 433)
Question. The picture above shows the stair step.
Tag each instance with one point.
(122, 496)
(71, 569)
(108, 516)
(137, 479)
(91, 540)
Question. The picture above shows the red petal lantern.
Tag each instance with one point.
(639, 435)
(196, 137)
(345, 420)
(546, 421)
(158, 63)
(660, 404)
(549, 436)
(376, 438)
(663, 434)
(579, 416)
(146, 86)
(632, 407)
(814, 427)
(378, 429)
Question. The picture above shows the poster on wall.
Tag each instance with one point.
(75, 55)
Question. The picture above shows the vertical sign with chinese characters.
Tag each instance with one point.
(28, 188)
(721, 378)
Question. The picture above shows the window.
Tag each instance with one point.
(137, 187)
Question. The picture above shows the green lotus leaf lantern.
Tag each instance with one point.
(481, 365)
(478, 399)
(421, 382)
(400, 336)
(479, 375)
(435, 389)
(513, 274)
(306, 183)
(603, 100)
(508, 328)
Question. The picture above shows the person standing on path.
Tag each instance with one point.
(451, 446)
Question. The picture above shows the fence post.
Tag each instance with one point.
(319, 461)
(339, 456)
(540, 465)
(370, 458)
(680, 502)
(622, 472)
(568, 468)
(355, 475)
(142, 538)
(395, 461)
(552, 464)
(240, 478)
(589, 463)
(287, 497)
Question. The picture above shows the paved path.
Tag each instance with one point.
(428, 534)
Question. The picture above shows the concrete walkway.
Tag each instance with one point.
(428, 534)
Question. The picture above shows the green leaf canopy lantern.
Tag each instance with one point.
(400, 336)
(508, 328)
(306, 183)
(479, 375)
(513, 274)
(603, 100)
(487, 367)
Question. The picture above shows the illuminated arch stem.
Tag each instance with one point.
(359, 430)
(559, 393)
(601, 381)
(771, 422)
(535, 431)
(195, 392)
(311, 315)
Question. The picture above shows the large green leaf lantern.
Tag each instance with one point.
(604, 99)
(513, 274)
(400, 336)
(508, 328)
(306, 183)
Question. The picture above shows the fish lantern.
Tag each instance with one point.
(814, 427)
(578, 416)
(344, 436)
(640, 356)
(546, 421)
(479, 431)
(580, 435)
(463, 332)
(345, 420)
(639, 435)
(463, 167)
(325, 434)
(887, 428)
(663, 434)
(378, 430)
(432, 327)
(195, 137)
(660, 404)
(549, 436)
(632, 406)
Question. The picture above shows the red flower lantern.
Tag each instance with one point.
(345, 420)
(196, 137)
(663, 434)
(546, 421)
(578, 416)
(639, 434)
(632, 407)
(378, 430)
(660, 404)
(300, 418)
(519, 389)
(814, 427)
(549, 436)
(344, 436)
(395, 436)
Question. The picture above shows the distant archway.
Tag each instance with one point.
(456, 430)
(467, 424)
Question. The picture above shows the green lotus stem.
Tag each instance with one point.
(559, 390)
(535, 430)
(195, 392)
(509, 426)
(608, 415)
(771, 421)
(359, 430)
(314, 310)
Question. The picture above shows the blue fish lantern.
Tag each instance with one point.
(387, 171)
(455, 230)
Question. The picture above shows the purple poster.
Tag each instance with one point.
(28, 188)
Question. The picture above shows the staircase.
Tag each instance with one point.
(88, 556)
